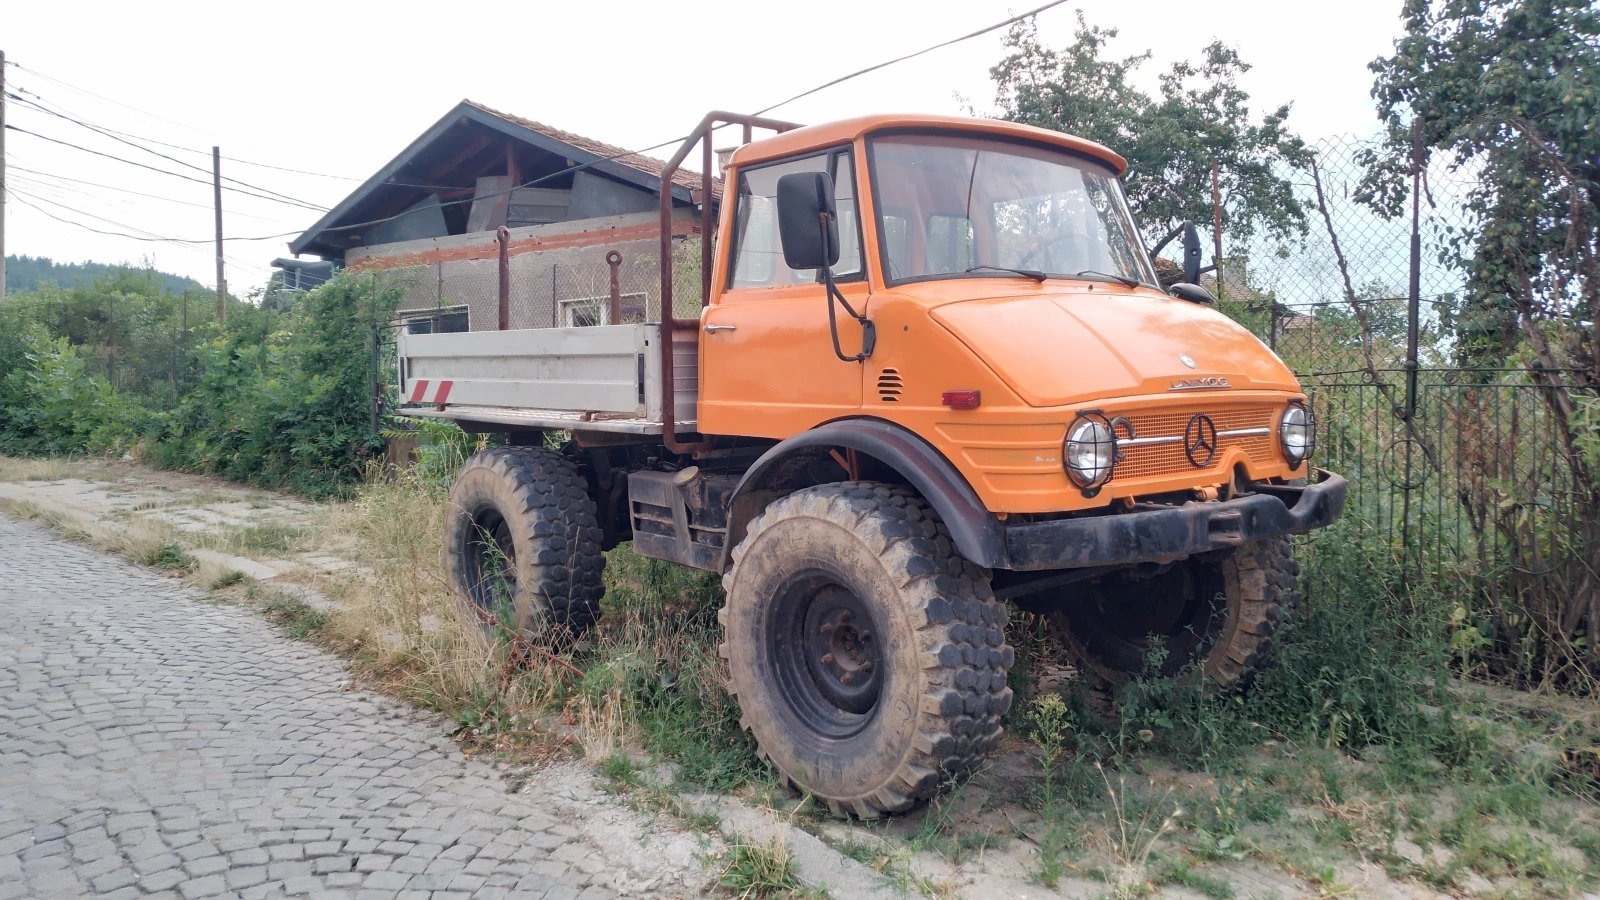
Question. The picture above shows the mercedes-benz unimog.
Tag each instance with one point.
(933, 372)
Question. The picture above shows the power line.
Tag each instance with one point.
(668, 143)
(16, 168)
(207, 153)
(98, 130)
(11, 127)
(148, 236)
(966, 37)
(152, 236)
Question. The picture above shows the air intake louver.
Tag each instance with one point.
(889, 386)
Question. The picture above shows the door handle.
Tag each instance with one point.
(711, 328)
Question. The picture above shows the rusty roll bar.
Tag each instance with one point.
(701, 133)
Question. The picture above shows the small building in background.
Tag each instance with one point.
(426, 224)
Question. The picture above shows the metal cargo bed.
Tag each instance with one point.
(592, 378)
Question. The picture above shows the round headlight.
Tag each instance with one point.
(1089, 453)
(1296, 434)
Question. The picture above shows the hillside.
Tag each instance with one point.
(24, 273)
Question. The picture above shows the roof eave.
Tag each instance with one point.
(312, 237)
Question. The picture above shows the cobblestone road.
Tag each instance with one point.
(155, 744)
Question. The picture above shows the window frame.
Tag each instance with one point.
(877, 198)
(832, 153)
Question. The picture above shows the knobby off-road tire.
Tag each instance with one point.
(1220, 614)
(521, 541)
(868, 658)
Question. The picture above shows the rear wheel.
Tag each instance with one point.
(521, 540)
(1218, 613)
(868, 658)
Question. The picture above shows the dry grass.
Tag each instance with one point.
(52, 469)
(404, 627)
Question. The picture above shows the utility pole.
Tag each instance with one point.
(2, 175)
(216, 192)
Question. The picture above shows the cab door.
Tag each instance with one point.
(768, 367)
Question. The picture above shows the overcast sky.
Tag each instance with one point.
(340, 88)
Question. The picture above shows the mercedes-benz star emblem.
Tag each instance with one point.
(1200, 440)
(1186, 359)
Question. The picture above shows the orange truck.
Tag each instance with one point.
(933, 372)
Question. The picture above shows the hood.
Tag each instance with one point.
(1056, 348)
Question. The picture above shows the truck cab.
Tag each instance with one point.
(933, 372)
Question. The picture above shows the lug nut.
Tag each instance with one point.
(827, 659)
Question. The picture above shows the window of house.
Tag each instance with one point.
(758, 250)
(451, 320)
(581, 312)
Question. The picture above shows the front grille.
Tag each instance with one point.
(1158, 460)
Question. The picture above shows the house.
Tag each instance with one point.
(427, 223)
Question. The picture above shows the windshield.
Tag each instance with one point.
(951, 205)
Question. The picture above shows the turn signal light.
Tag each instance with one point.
(962, 399)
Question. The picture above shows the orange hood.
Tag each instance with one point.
(1056, 348)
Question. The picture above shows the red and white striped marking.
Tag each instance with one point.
(441, 391)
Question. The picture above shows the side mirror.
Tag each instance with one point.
(803, 199)
(1191, 255)
(1193, 293)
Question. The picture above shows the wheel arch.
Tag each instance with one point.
(786, 467)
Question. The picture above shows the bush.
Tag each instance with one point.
(280, 400)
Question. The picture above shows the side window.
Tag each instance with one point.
(758, 251)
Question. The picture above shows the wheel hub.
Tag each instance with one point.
(827, 650)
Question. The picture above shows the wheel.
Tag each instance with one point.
(521, 540)
(867, 657)
(1220, 613)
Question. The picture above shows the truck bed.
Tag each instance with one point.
(594, 378)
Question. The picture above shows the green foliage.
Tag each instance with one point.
(275, 399)
(1200, 117)
(1511, 89)
(169, 558)
(49, 403)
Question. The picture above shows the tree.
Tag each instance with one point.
(1200, 118)
(1509, 90)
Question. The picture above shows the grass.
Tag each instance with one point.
(750, 870)
(1356, 744)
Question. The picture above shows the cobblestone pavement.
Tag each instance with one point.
(154, 744)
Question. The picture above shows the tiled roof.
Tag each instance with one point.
(646, 164)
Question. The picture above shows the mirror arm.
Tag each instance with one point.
(869, 331)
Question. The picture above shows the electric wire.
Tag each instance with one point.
(98, 130)
(21, 130)
(145, 236)
(152, 236)
(13, 167)
(595, 162)
(900, 59)
(198, 152)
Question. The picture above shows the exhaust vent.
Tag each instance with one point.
(889, 386)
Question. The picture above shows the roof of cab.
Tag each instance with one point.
(846, 130)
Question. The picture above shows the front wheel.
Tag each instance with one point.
(868, 658)
(1218, 613)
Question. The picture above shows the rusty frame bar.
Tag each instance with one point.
(669, 321)
(614, 260)
(502, 236)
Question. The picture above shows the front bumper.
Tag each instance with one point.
(1159, 535)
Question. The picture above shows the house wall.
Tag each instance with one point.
(557, 271)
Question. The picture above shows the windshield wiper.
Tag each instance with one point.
(1035, 274)
(1120, 279)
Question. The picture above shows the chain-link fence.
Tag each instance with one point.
(1469, 472)
(551, 289)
